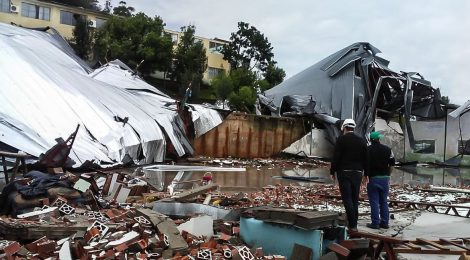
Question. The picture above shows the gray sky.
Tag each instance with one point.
(431, 37)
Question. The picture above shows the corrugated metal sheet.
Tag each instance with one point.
(250, 136)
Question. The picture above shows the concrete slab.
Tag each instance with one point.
(434, 226)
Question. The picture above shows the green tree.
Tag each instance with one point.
(242, 77)
(244, 100)
(139, 41)
(248, 48)
(223, 87)
(190, 60)
(82, 40)
(123, 9)
(273, 75)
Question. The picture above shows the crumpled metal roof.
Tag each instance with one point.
(353, 83)
(45, 93)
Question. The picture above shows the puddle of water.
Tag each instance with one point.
(257, 178)
(252, 177)
(261, 177)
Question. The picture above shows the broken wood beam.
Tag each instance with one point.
(185, 195)
(339, 249)
(431, 243)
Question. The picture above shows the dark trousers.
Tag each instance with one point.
(350, 186)
(377, 191)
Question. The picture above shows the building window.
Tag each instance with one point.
(35, 11)
(464, 147)
(5, 6)
(214, 72)
(70, 18)
(425, 146)
(100, 22)
(216, 47)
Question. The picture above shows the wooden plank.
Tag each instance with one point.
(431, 243)
(194, 192)
(388, 239)
(412, 246)
(339, 249)
(428, 251)
(454, 244)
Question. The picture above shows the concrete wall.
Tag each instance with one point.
(435, 130)
(318, 145)
(64, 29)
(312, 144)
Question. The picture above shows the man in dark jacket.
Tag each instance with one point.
(381, 159)
(350, 161)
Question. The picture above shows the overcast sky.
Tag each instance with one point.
(431, 37)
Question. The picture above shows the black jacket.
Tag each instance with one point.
(350, 154)
(381, 158)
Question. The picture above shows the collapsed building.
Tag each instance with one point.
(354, 83)
(46, 91)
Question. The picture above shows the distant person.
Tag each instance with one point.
(350, 162)
(187, 95)
(381, 160)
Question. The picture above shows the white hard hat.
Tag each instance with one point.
(348, 123)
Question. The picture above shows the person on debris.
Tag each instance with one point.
(381, 160)
(187, 95)
(350, 162)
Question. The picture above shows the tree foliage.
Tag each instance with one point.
(244, 100)
(248, 48)
(139, 41)
(190, 60)
(123, 10)
(82, 40)
(253, 67)
(242, 77)
(222, 86)
(273, 75)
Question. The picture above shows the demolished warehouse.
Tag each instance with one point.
(353, 83)
(46, 91)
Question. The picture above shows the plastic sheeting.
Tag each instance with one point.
(45, 93)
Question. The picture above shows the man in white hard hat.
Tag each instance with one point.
(350, 162)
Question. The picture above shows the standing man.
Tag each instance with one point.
(381, 160)
(350, 162)
(187, 95)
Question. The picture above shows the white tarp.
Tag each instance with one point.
(45, 93)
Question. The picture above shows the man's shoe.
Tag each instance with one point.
(370, 225)
(384, 226)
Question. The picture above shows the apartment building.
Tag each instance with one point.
(215, 59)
(42, 13)
(63, 18)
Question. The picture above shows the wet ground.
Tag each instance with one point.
(257, 177)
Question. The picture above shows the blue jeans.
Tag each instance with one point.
(377, 191)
